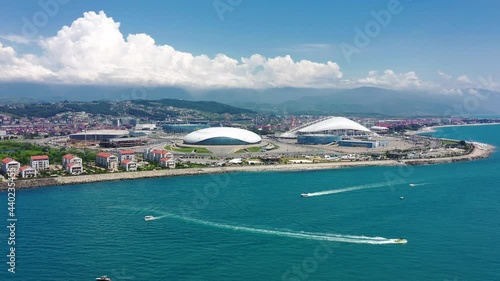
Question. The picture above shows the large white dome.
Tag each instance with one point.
(222, 136)
(332, 124)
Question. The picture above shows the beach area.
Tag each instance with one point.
(480, 151)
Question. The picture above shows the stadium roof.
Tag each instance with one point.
(222, 132)
(103, 132)
(332, 124)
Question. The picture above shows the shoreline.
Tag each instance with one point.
(477, 153)
(432, 129)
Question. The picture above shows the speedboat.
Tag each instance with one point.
(401, 198)
(401, 241)
(149, 218)
(412, 184)
(304, 195)
(103, 278)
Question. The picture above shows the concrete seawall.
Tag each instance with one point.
(477, 153)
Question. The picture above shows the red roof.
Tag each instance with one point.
(104, 154)
(7, 160)
(127, 161)
(165, 159)
(69, 156)
(71, 165)
(123, 152)
(25, 168)
(40, 157)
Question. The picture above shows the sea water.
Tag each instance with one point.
(255, 226)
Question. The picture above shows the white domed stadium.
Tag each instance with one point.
(327, 130)
(222, 136)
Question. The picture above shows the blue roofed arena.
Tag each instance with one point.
(222, 136)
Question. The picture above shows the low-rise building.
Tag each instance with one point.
(40, 162)
(126, 155)
(8, 165)
(71, 159)
(155, 155)
(129, 165)
(167, 163)
(107, 160)
(27, 172)
(74, 168)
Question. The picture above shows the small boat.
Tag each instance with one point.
(149, 218)
(103, 278)
(412, 184)
(304, 195)
(401, 241)
(401, 198)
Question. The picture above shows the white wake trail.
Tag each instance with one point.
(352, 188)
(291, 234)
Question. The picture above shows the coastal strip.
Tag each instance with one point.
(479, 152)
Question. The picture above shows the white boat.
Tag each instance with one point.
(103, 278)
(304, 195)
(149, 218)
(412, 184)
(401, 241)
(401, 198)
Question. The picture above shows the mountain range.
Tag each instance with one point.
(357, 101)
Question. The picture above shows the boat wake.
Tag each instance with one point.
(289, 233)
(347, 189)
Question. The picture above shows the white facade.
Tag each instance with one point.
(39, 162)
(9, 164)
(242, 135)
(27, 172)
(107, 160)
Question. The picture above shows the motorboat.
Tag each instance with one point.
(412, 184)
(401, 198)
(304, 195)
(401, 241)
(149, 218)
(103, 278)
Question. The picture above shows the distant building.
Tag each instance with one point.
(129, 165)
(107, 160)
(167, 163)
(9, 164)
(155, 155)
(27, 172)
(126, 155)
(39, 162)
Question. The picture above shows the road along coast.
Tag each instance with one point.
(479, 152)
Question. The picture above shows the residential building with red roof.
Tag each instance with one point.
(155, 155)
(107, 160)
(71, 159)
(10, 165)
(167, 163)
(126, 155)
(129, 165)
(39, 162)
(27, 172)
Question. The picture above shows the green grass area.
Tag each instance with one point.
(22, 152)
(250, 149)
(188, 149)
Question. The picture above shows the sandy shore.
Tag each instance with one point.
(478, 153)
(433, 128)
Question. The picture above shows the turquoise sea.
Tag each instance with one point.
(255, 226)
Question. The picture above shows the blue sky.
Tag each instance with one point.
(458, 38)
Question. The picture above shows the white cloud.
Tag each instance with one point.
(16, 39)
(93, 50)
(464, 79)
(393, 80)
(14, 68)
